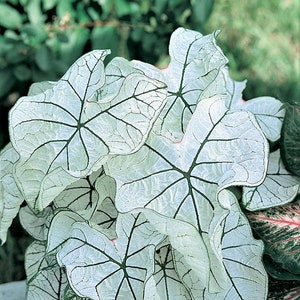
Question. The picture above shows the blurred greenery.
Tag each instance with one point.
(262, 42)
(40, 39)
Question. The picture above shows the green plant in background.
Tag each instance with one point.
(137, 180)
(261, 40)
(40, 39)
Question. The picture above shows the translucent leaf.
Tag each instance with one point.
(220, 148)
(56, 132)
(112, 269)
(10, 195)
(279, 228)
(81, 196)
(196, 61)
(9, 16)
(45, 279)
(278, 188)
(167, 283)
(36, 224)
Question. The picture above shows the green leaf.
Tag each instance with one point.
(72, 49)
(125, 263)
(201, 10)
(34, 12)
(196, 61)
(279, 228)
(10, 195)
(22, 72)
(278, 188)
(160, 6)
(278, 272)
(122, 7)
(49, 4)
(106, 37)
(7, 81)
(43, 58)
(65, 8)
(290, 139)
(72, 128)
(9, 17)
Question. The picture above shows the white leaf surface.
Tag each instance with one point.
(278, 188)
(10, 196)
(220, 148)
(63, 131)
(242, 256)
(112, 269)
(195, 64)
(60, 228)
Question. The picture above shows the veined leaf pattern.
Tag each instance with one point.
(219, 149)
(278, 188)
(112, 269)
(195, 64)
(279, 228)
(62, 139)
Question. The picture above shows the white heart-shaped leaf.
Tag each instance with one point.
(195, 63)
(112, 269)
(186, 239)
(278, 188)
(220, 147)
(60, 228)
(62, 132)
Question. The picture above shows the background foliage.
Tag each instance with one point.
(40, 39)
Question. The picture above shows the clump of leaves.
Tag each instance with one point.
(134, 178)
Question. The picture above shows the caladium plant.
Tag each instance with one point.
(135, 179)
